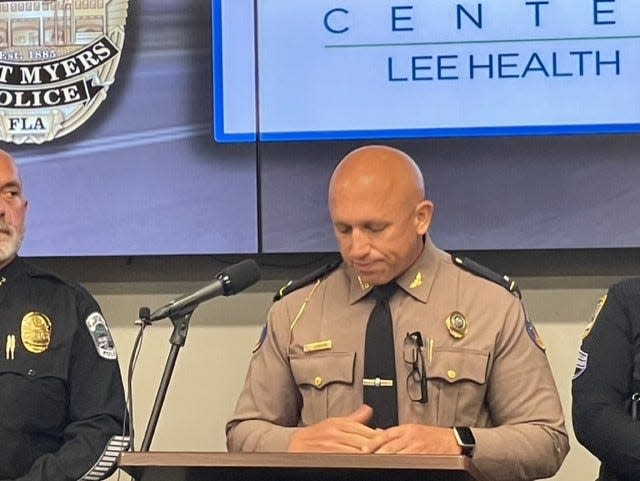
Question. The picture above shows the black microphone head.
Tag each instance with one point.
(239, 276)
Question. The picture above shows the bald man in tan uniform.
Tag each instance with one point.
(304, 387)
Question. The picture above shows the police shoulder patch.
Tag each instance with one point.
(596, 312)
(101, 336)
(533, 333)
(263, 336)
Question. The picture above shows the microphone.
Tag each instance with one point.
(229, 281)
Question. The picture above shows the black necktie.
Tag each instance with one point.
(380, 391)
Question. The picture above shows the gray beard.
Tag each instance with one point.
(9, 248)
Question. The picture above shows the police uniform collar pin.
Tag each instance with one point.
(10, 347)
(363, 285)
(3, 280)
(457, 325)
(417, 281)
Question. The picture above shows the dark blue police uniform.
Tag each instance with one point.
(61, 396)
(606, 384)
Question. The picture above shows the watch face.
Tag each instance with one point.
(465, 436)
(465, 439)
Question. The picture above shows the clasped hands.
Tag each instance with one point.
(350, 434)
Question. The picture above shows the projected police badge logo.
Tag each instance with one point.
(58, 59)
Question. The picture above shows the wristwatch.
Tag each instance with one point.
(465, 439)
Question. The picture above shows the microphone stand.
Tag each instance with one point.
(177, 340)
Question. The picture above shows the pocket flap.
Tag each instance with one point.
(320, 369)
(454, 365)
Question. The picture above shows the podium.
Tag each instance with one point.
(204, 466)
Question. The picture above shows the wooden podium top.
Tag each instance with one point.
(206, 466)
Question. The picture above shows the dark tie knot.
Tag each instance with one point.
(385, 291)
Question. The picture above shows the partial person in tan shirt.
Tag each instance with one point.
(485, 366)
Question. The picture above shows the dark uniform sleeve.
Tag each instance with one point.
(602, 384)
(94, 435)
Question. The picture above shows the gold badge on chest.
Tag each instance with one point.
(35, 331)
(457, 325)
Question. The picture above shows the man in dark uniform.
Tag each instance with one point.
(471, 376)
(61, 396)
(606, 384)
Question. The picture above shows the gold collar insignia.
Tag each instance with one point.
(417, 281)
(363, 285)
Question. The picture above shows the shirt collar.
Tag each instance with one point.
(416, 281)
(11, 270)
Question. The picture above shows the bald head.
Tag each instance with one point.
(6, 158)
(383, 171)
(9, 168)
(379, 212)
(13, 209)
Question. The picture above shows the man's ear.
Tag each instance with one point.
(424, 214)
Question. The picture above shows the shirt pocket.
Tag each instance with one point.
(325, 382)
(459, 377)
(32, 399)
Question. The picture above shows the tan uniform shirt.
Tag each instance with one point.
(494, 379)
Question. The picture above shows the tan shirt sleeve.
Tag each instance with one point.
(530, 439)
(268, 408)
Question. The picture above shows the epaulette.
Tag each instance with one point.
(307, 279)
(487, 273)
